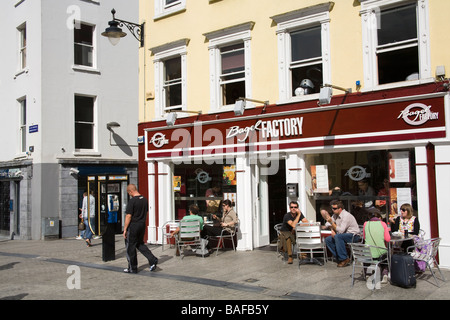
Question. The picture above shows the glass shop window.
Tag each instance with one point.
(364, 181)
(204, 185)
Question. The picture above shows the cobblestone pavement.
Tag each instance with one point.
(66, 269)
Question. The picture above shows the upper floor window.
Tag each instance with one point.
(395, 34)
(23, 125)
(167, 7)
(172, 86)
(84, 122)
(232, 77)
(84, 49)
(306, 61)
(170, 76)
(22, 46)
(303, 52)
(229, 65)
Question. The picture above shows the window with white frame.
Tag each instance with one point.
(23, 125)
(303, 51)
(165, 8)
(84, 45)
(396, 36)
(230, 65)
(22, 46)
(170, 76)
(306, 61)
(232, 76)
(172, 87)
(84, 122)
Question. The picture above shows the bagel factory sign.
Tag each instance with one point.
(296, 129)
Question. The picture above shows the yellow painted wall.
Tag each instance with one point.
(201, 17)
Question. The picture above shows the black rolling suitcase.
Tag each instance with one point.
(403, 271)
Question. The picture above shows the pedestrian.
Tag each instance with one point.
(88, 216)
(134, 230)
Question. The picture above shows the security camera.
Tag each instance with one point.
(74, 171)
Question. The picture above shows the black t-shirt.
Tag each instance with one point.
(288, 216)
(138, 208)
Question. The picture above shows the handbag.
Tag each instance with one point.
(81, 226)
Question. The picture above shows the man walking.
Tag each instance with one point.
(134, 230)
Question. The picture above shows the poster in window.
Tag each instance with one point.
(399, 196)
(177, 183)
(229, 175)
(230, 196)
(399, 166)
(319, 178)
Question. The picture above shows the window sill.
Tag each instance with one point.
(87, 154)
(169, 12)
(79, 68)
(395, 85)
(309, 97)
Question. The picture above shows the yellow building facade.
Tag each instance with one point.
(193, 21)
(345, 100)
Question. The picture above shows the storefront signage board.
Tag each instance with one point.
(322, 126)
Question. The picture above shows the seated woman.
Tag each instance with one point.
(227, 222)
(376, 233)
(406, 221)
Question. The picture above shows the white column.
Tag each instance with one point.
(423, 199)
(151, 203)
(442, 154)
(165, 197)
(244, 204)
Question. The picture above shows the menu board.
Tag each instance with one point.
(319, 177)
(399, 166)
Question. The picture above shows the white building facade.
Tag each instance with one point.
(69, 104)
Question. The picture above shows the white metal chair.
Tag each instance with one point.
(188, 236)
(426, 251)
(277, 228)
(362, 257)
(223, 235)
(309, 241)
(167, 228)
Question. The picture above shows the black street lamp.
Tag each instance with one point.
(114, 32)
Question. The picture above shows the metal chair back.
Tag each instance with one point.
(426, 251)
(362, 257)
(189, 235)
(309, 241)
(167, 228)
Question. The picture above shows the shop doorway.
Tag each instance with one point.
(277, 198)
(4, 207)
(272, 195)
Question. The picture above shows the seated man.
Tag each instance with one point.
(287, 230)
(344, 229)
(192, 216)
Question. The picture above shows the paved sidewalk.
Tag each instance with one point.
(67, 269)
